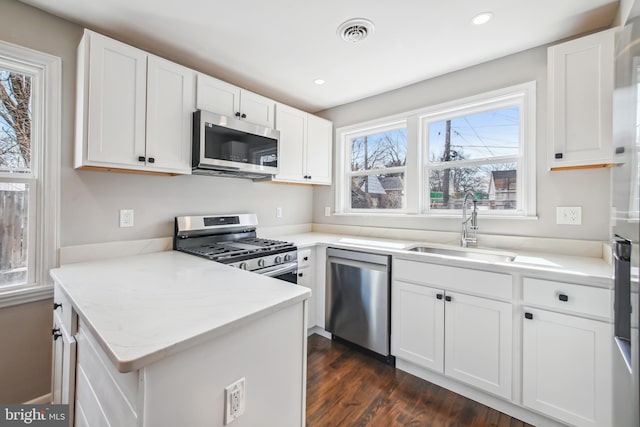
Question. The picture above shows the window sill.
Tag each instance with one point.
(456, 216)
(24, 295)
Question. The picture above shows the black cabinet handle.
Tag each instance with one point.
(56, 305)
(300, 274)
(558, 155)
(56, 333)
(438, 296)
(152, 160)
(244, 116)
(306, 258)
(238, 114)
(141, 158)
(528, 316)
(563, 297)
(447, 298)
(309, 176)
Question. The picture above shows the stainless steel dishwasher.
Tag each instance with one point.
(358, 297)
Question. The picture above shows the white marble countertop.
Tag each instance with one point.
(147, 307)
(585, 270)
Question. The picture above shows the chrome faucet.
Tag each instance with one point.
(465, 239)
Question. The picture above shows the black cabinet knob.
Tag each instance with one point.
(306, 258)
(300, 274)
(152, 160)
(563, 297)
(141, 158)
(56, 333)
(528, 316)
(558, 155)
(244, 116)
(238, 114)
(56, 305)
(309, 176)
(439, 296)
(447, 298)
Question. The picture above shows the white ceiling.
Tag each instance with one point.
(278, 47)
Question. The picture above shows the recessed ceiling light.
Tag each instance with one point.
(482, 18)
(319, 82)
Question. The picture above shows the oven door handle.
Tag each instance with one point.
(278, 270)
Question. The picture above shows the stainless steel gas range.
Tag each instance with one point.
(232, 240)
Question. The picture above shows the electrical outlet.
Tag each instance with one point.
(327, 211)
(278, 212)
(571, 215)
(126, 218)
(234, 401)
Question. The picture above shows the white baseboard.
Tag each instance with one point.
(318, 330)
(42, 400)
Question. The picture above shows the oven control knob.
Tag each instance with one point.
(242, 266)
(287, 258)
(261, 262)
(278, 259)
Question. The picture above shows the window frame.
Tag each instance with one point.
(44, 177)
(415, 179)
(344, 189)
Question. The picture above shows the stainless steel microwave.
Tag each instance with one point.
(232, 147)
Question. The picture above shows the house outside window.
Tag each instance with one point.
(484, 144)
(375, 168)
(29, 171)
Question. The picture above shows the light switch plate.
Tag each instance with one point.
(327, 211)
(126, 217)
(569, 215)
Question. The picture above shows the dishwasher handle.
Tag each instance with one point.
(358, 264)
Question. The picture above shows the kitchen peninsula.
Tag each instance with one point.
(160, 336)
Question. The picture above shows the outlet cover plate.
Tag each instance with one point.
(569, 215)
(234, 401)
(126, 217)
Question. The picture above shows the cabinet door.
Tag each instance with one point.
(217, 96)
(257, 109)
(417, 329)
(170, 103)
(566, 371)
(305, 278)
(580, 100)
(64, 367)
(117, 104)
(292, 125)
(318, 150)
(478, 342)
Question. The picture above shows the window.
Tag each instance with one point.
(376, 168)
(29, 169)
(484, 144)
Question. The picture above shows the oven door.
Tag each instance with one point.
(287, 272)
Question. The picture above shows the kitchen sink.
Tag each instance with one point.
(483, 255)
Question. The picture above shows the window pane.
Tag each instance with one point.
(15, 122)
(377, 191)
(494, 186)
(380, 150)
(14, 201)
(476, 136)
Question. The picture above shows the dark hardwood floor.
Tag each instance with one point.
(346, 388)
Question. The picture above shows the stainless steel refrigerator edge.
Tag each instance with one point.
(625, 197)
(358, 299)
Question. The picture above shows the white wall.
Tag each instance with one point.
(91, 200)
(586, 188)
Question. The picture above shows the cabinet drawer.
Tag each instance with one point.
(454, 278)
(304, 258)
(64, 311)
(568, 296)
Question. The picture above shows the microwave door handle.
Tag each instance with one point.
(288, 268)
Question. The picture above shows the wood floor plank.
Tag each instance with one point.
(349, 389)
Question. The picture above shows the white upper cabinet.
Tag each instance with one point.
(226, 99)
(580, 97)
(305, 147)
(134, 109)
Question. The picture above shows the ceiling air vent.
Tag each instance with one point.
(355, 30)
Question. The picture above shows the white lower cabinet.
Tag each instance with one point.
(566, 361)
(465, 337)
(306, 277)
